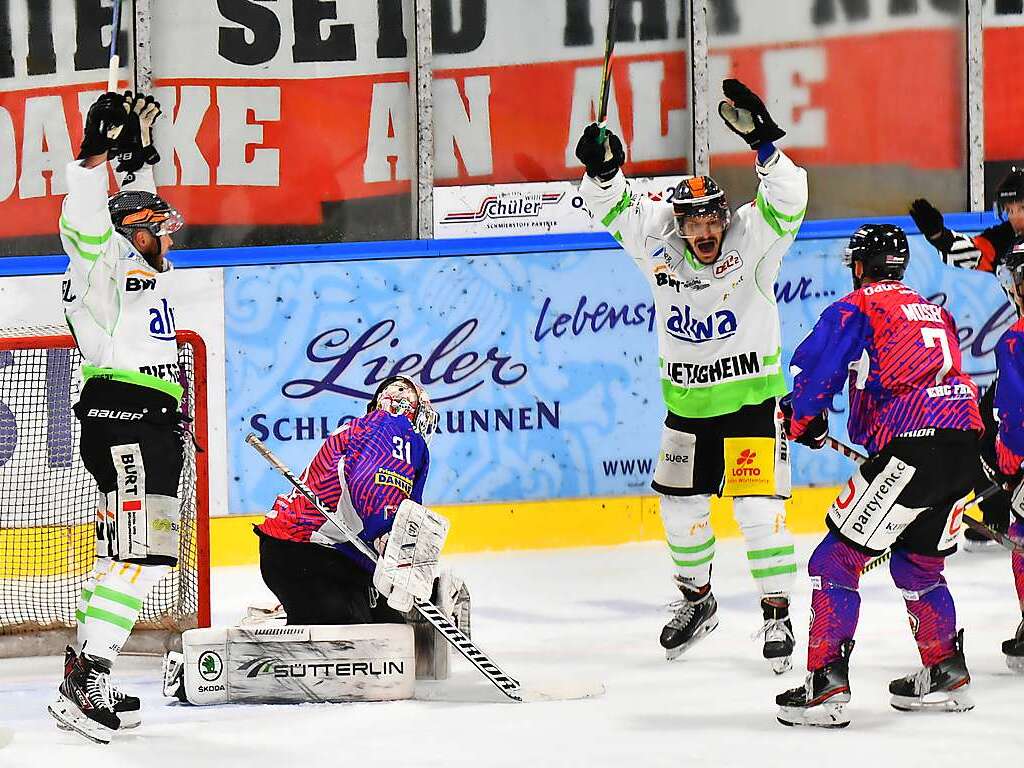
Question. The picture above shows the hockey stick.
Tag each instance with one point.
(606, 76)
(115, 58)
(970, 522)
(507, 685)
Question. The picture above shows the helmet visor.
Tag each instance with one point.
(699, 226)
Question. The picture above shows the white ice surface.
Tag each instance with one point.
(586, 614)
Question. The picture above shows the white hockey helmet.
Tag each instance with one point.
(401, 396)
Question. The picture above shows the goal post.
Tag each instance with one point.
(48, 501)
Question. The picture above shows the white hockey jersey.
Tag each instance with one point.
(719, 341)
(117, 306)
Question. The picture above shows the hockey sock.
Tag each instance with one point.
(1017, 560)
(691, 542)
(929, 604)
(107, 615)
(834, 569)
(770, 551)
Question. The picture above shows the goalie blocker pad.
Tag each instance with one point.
(293, 664)
(409, 563)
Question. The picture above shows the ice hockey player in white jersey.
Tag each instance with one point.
(712, 273)
(118, 305)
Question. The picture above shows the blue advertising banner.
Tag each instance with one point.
(543, 366)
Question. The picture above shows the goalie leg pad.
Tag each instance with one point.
(295, 664)
(433, 655)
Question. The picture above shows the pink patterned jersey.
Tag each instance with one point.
(363, 471)
(901, 357)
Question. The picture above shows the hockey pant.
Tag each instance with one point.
(762, 520)
(835, 569)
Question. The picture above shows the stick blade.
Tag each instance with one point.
(458, 692)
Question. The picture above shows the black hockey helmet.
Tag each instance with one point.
(423, 416)
(1010, 190)
(137, 209)
(700, 196)
(1013, 273)
(882, 249)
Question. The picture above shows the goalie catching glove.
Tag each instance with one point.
(746, 115)
(409, 555)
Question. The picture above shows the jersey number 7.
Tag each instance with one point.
(932, 335)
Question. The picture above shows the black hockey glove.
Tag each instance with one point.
(594, 154)
(746, 115)
(927, 218)
(103, 124)
(810, 431)
(990, 466)
(134, 146)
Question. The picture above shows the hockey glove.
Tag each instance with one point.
(103, 124)
(1017, 501)
(747, 116)
(927, 218)
(135, 145)
(602, 159)
(810, 430)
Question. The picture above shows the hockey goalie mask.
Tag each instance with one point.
(702, 216)
(400, 396)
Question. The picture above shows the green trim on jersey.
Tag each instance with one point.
(618, 208)
(719, 399)
(133, 377)
(79, 240)
(774, 217)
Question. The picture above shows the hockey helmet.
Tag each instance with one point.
(700, 197)
(882, 249)
(1010, 190)
(1012, 273)
(137, 209)
(401, 396)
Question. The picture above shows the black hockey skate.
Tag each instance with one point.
(821, 700)
(944, 687)
(1013, 649)
(128, 708)
(83, 701)
(777, 632)
(696, 615)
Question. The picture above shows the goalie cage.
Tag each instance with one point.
(48, 501)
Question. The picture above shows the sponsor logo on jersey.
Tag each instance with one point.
(662, 278)
(683, 325)
(161, 321)
(750, 462)
(165, 371)
(675, 458)
(730, 263)
(131, 476)
(952, 391)
(882, 494)
(871, 290)
(210, 666)
(132, 284)
(392, 479)
(687, 374)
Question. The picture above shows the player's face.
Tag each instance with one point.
(704, 235)
(1015, 215)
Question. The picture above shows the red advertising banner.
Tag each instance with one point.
(284, 126)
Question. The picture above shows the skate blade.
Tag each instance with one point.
(977, 547)
(1015, 664)
(707, 628)
(958, 700)
(781, 664)
(68, 719)
(129, 720)
(827, 715)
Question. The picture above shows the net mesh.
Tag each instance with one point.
(48, 500)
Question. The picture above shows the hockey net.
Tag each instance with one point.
(48, 501)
